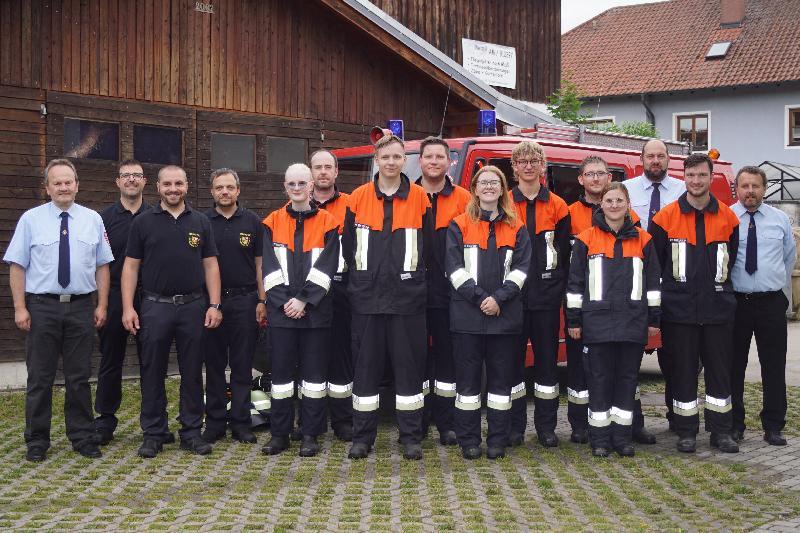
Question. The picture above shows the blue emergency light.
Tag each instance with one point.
(487, 122)
(396, 126)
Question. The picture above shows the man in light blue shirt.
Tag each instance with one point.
(58, 258)
(649, 193)
(761, 277)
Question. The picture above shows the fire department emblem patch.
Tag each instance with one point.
(194, 239)
(245, 239)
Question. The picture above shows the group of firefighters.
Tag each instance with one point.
(438, 280)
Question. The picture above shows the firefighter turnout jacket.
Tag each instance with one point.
(697, 250)
(547, 220)
(383, 248)
(445, 206)
(613, 292)
(581, 214)
(336, 205)
(486, 258)
(301, 251)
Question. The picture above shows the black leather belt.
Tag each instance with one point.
(63, 298)
(238, 291)
(175, 299)
(756, 295)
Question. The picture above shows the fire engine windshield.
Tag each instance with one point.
(357, 170)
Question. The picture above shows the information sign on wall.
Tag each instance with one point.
(491, 63)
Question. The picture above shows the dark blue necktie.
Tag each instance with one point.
(655, 203)
(751, 259)
(63, 251)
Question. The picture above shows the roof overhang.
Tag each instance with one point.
(411, 47)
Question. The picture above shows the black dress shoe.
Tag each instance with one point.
(309, 446)
(344, 433)
(471, 452)
(516, 439)
(275, 446)
(89, 449)
(643, 436)
(412, 451)
(36, 454)
(579, 436)
(149, 448)
(548, 439)
(775, 438)
(626, 450)
(358, 450)
(103, 436)
(737, 435)
(724, 442)
(244, 435)
(687, 444)
(448, 438)
(599, 451)
(295, 435)
(196, 445)
(213, 435)
(495, 452)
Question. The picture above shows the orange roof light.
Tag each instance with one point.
(713, 154)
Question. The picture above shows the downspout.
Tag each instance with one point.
(651, 118)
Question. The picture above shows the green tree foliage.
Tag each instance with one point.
(640, 128)
(565, 103)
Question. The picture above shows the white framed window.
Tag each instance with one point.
(792, 126)
(596, 123)
(693, 127)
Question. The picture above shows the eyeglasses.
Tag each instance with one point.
(488, 183)
(131, 176)
(297, 185)
(596, 174)
(525, 162)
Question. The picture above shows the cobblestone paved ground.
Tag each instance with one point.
(237, 488)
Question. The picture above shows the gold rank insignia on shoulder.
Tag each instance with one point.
(194, 239)
(245, 239)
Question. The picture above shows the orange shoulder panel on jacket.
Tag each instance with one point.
(580, 217)
(315, 228)
(477, 232)
(366, 206)
(634, 217)
(554, 210)
(449, 207)
(337, 208)
(282, 227)
(408, 213)
(720, 226)
(600, 242)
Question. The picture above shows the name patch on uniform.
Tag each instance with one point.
(405, 276)
(245, 239)
(585, 349)
(718, 288)
(194, 239)
(547, 275)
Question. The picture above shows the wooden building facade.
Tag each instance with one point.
(254, 85)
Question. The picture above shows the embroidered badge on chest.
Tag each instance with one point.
(194, 239)
(245, 239)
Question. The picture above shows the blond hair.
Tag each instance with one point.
(528, 149)
(504, 206)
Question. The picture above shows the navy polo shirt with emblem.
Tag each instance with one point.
(239, 241)
(171, 250)
(117, 221)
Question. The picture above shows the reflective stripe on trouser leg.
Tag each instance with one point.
(720, 405)
(426, 387)
(599, 419)
(684, 408)
(580, 397)
(369, 356)
(336, 390)
(621, 416)
(542, 328)
(498, 402)
(576, 381)
(410, 402)
(443, 389)
(546, 392)
(314, 390)
(468, 403)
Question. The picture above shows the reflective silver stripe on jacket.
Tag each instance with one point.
(459, 277)
(596, 278)
(362, 247)
(282, 254)
(342, 266)
(314, 390)
(719, 405)
(315, 253)
(409, 403)
(517, 276)
(366, 403)
(622, 417)
(507, 264)
(444, 389)
(281, 391)
(272, 279)
(318, 277)
(574, 300)
(426, 387)
(410, 258)
(722, 262)
(518, 391)
(498, 402)
(551, 261)
(471, 261)
(679, 261)
(636, 289)
(468, 403)
(599, 419)
(340, 391)
(579, 397)
(545, 392)
(684, 408)
(653, 298)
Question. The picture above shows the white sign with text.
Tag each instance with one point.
(491, 63)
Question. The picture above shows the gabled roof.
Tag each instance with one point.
(445, 70)
(661, 47)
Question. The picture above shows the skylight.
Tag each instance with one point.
(718, 50)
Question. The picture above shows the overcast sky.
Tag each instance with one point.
(574, 12)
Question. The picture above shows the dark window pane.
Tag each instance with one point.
(233, 151)
(504, 164)
(701, 140)
(282, 152)
(563, 180)
(158, 145)
(91, 140)
(353, 171)
(795, 127)
(701, 123)
(685, 125)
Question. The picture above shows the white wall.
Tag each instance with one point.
(748, 126)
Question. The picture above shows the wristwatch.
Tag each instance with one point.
(218, 307)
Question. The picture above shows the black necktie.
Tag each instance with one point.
(655, 203)
(63, 251)
(751, 260)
